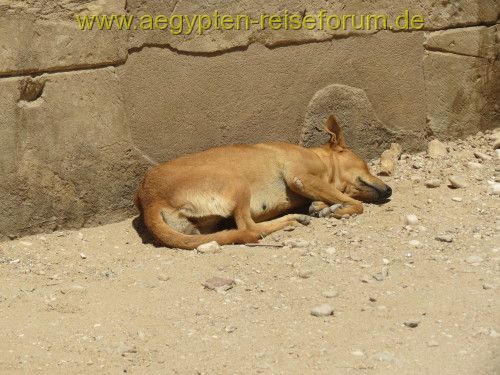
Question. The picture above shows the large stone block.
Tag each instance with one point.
(437, 14)
(68, 161)
(44, 36)
(461, 94)
(179, 104)
(469, 41)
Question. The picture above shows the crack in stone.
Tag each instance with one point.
(446, 52)
(243, 47)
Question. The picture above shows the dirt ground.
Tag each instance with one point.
(407, 299)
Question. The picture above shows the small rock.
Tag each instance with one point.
(433, 183)
(436, 149)
(378, 276)
(125, 349)
(163, 277)
(322, 310)
(456, 199)
(209, 248)
(482, 156)
(474, 165)
(432, 343)
(415, 243)
(494, 333)
(411, 323)
(487, 286)
(474, 260)
(411, 220)
(495, 188)
(230, 329)
(444, 238)
(385, 356)
(330, 293)
(457, 182)
(330, 250)
(358, 353)
(388, 160)
(305, 273)
(219, 283)
(83, 256)
(296, 242)
(365, 278)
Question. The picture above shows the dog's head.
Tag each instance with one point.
(351, 173)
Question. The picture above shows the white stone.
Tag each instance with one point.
(322, 310)
(209, 248)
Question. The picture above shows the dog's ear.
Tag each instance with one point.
(333, 128)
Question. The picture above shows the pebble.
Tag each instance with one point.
(322, 310)
(487, 286)
(385, 356)
(411, 323)
(330, 250)
(415, 243)
(330, 293)
(209, 248)
(457, 199)
(125, 349)
(495, 188)
(436, 149)
(365, 278)
(457, 182)
(474, 260)
(444, 238)
(163, 277)
(230, 329)
(434, 183)
(379, 276)
(358, 353)
(474, 165)
(83, 256)
(482, 156)
(296, 242)
(411, 219)
(219, 283)
(305, 273)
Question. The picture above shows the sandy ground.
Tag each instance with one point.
(100, 301)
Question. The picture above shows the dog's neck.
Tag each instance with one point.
(326, 155)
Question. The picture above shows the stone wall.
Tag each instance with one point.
(84, 113)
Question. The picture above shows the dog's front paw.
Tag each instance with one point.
(343, 210)
(316, 207)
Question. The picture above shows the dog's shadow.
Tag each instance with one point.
(143, 232)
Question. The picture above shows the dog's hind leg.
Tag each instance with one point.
(244, 220)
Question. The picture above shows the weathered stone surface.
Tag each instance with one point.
(67, 161)
(191, 103)
(460, 94)
(36, 39)
(470, 41)
(437, 15)
(366, 135)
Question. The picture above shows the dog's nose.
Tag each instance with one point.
(387, 191)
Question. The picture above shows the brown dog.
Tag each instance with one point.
(183, 200)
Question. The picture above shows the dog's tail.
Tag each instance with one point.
(172, 238)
